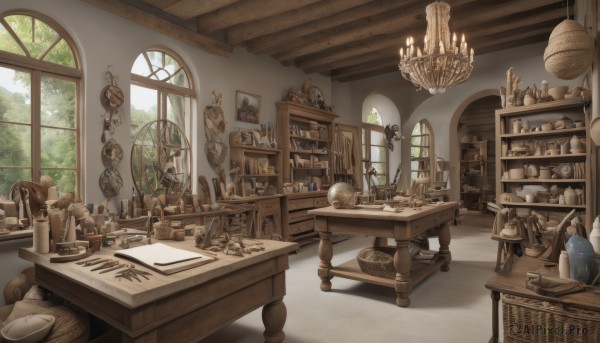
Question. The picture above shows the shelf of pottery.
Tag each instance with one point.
(543, 157)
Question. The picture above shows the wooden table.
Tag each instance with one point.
(182, 307)
(513, 282)
(402, 226)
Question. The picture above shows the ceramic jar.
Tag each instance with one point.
(41, 237)
(516, 125)
(571, 197)
(594, 236)
(563, 265)
(582, 263)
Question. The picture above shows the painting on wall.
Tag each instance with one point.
(247, 107)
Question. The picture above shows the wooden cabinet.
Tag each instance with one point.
(545, 150)
(473, 174)
(260, 169)
(298, 224)
(305, 136)
(266, 212)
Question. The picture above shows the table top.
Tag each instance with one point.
(133, 293)
(407, 213)
(513, 282)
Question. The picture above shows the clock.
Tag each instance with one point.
(565, 170)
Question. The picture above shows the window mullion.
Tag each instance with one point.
(36, 132)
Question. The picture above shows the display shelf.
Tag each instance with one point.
(260, 169)
(17, 234)
(532, 136)
(473, 169)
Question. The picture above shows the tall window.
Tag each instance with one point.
(161, 88)
(374, 149)
(39, 102)
(420, 151)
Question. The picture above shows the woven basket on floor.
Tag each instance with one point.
(162, 229)
(377, 261)
(534, 321)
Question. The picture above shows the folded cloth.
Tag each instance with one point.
(552, 286)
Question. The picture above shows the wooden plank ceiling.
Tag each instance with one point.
(345, 39)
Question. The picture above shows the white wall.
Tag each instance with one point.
(105, 39)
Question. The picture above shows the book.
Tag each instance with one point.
(164, 258)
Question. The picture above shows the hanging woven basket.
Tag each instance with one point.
(570, 51)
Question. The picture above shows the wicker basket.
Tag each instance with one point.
(162, 230)
(532, 321)
(377, 261)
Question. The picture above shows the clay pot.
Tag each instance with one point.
(571, 196)
(558, 93)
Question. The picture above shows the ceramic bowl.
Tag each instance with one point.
(558, 93)
(577, 150)
(547, 127)
(516, 173)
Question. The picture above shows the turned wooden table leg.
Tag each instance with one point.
(325, 255)
(274, 315)
(495, 299)
(403, 282)
(444, 252)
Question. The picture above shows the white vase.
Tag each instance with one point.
(563, 265)
(594, 236)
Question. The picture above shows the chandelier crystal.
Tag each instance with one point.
(442, 63)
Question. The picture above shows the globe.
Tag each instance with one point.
(341, 195)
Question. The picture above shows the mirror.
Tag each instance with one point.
(161, 161)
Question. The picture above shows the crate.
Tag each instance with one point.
(528, 320)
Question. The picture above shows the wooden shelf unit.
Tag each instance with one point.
(473, 174)
(536, 115)
(262, 165)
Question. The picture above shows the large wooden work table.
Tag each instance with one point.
(402, 227)
(182, 307)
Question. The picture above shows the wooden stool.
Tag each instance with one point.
(505, 253)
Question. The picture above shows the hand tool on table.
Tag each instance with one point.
(108, 264)
(88, 261)
(118, 266)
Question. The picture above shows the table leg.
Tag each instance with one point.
(274, 315)
(444, 239)
(325, 255)
(495, 298)
(403, 282)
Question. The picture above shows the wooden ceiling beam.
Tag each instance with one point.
(383, 25)
(301, 16)
(369, 51)
(160, 4)
(486, 42)
(165, 27)
(188, 9)
(246, 11)
(263, 45)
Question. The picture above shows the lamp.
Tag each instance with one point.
(442, 63)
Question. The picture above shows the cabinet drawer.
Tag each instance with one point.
(268, 205)
(321, 202)
(299, 215)
(297, 204)
(300, 227)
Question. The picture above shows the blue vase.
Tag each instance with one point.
(581, 259)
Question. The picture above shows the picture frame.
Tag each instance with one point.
(247, 107)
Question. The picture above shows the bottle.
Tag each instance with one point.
(594, 236)
(135, 203)
(563, 265)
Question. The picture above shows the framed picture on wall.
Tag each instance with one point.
(247, 107)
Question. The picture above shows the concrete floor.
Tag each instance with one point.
(446, 307)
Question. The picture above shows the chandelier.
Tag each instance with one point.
(442, 63)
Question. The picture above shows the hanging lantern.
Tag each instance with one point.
(570, 51)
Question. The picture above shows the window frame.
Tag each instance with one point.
(429, 159)
(38, 68)
(366, 144)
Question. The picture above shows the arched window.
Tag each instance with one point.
(161, 88)
(421, 143)
(40, 77)
(374, 149)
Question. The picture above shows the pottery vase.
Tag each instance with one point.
(563, 265)
(516, 126)
(570, 196)
(576, 143)
(582, 263)
(41, 237)
(594, 236)
(564, 148)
